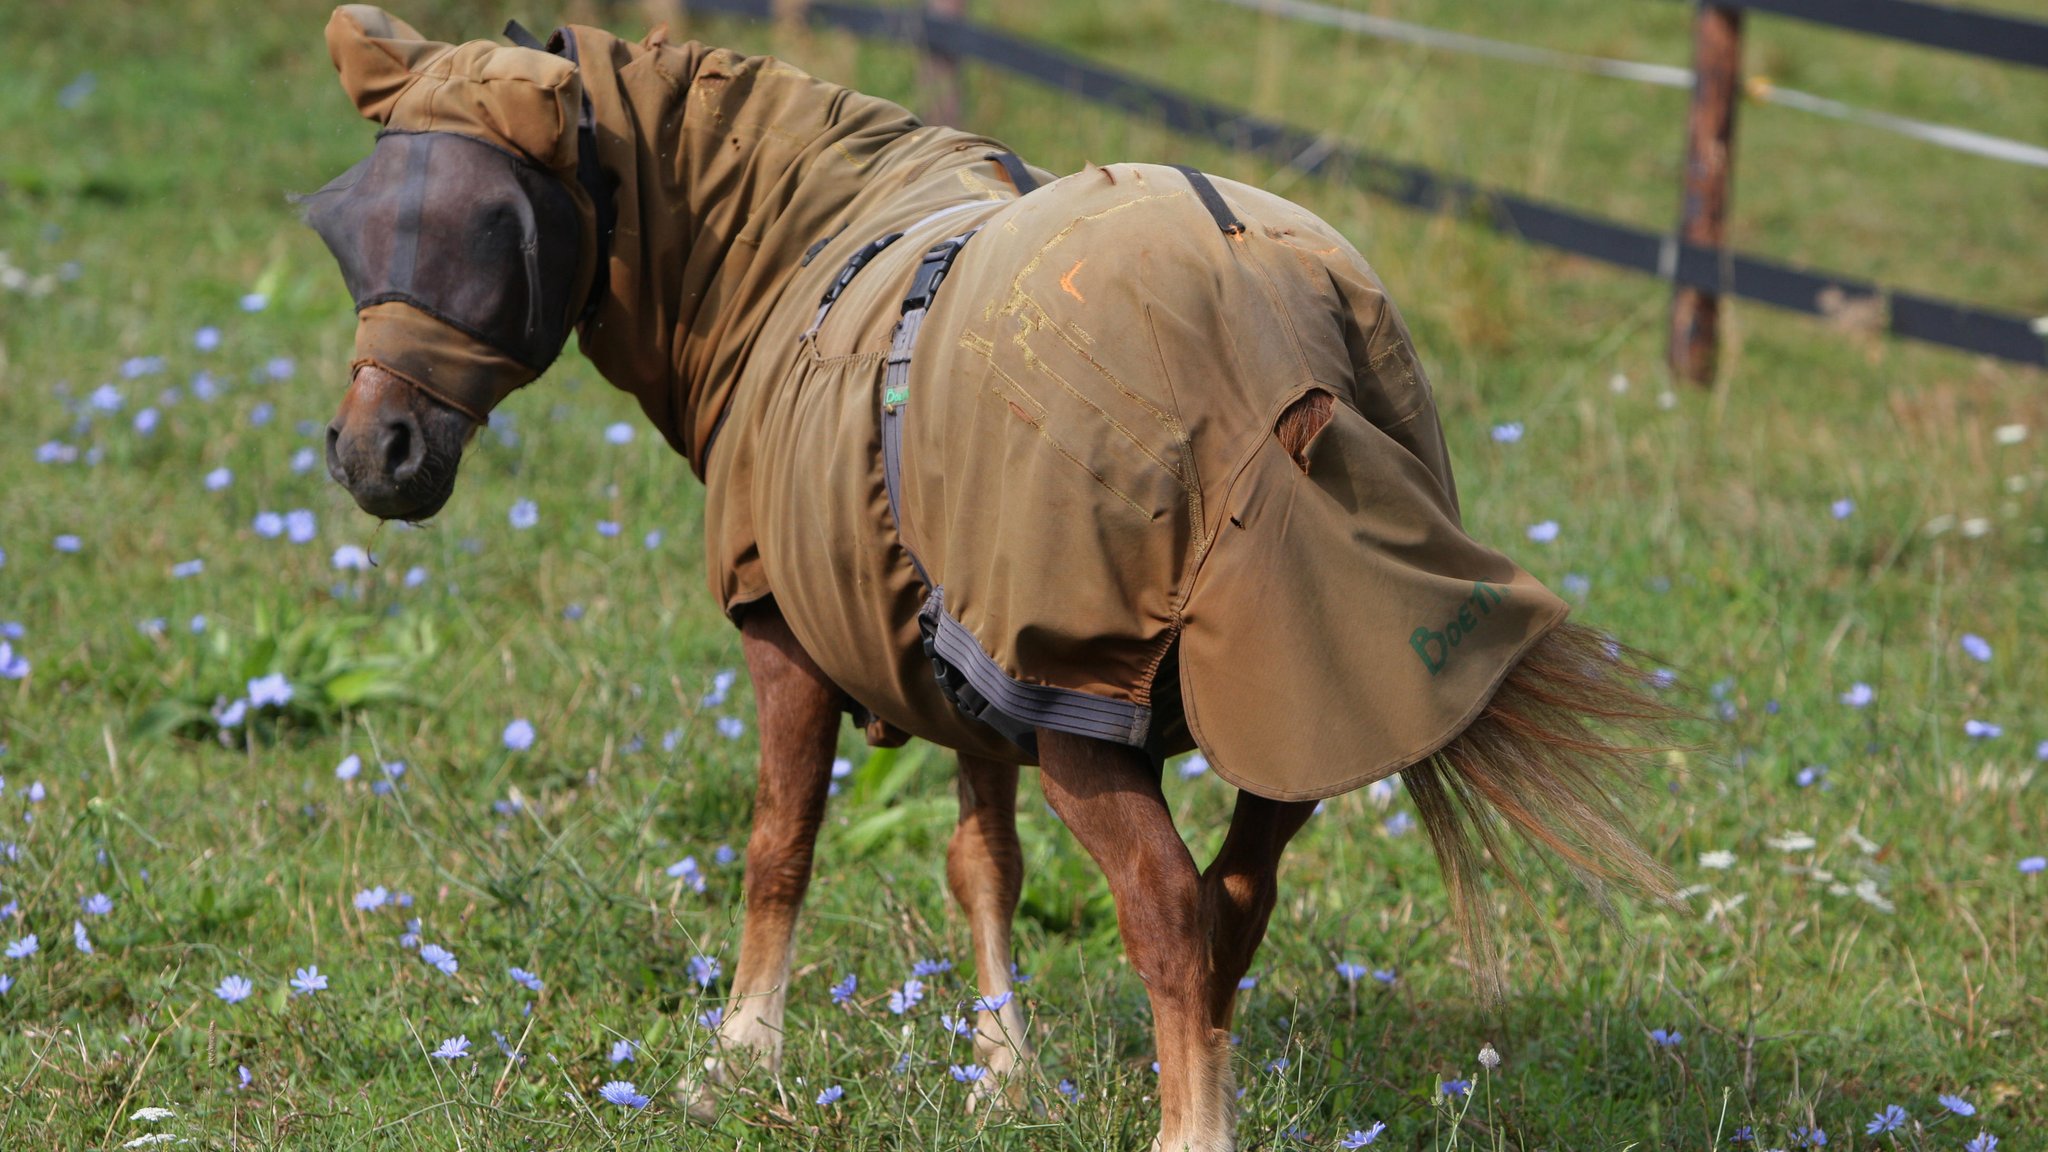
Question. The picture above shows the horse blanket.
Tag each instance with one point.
(1096, 529)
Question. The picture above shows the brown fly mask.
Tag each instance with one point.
(469, 241)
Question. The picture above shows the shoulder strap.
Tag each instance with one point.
(1212, 200)
(517, 33)
(1019, 174)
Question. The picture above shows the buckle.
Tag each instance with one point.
(931, 272)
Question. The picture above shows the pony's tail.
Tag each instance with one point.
(1570, 729)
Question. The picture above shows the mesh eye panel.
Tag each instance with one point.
(473, 236)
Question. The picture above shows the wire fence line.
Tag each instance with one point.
(1661, 75)
(1848, 301)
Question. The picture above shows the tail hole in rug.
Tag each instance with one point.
(1298, 425)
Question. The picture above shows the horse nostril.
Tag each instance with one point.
(334, 465)
(404, 450)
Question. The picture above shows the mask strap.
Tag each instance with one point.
(443, 397)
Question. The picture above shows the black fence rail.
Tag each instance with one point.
(1717, 271)
(1991, 35)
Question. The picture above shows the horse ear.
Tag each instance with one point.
(378, 56)
(514, 97)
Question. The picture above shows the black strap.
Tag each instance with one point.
(1018, 172)
(1212, 200)
(517, 33)
(854, 264)
(597, 184)
(817, 246)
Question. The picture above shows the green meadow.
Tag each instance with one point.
(1840, 551)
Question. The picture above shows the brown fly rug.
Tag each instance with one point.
(1117, 540)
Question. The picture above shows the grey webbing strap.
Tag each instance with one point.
(1015, 169)
(966, 675)
(1212, 200)
(924, 289)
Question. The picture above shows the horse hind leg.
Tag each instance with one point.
(985, 869)
(1239, 890)
(798, 710)
(1109, 797)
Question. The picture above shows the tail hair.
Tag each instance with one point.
(1569, 732)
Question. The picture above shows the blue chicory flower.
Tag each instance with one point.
(623, 1093)
(440, 957)
(705, 969)
(272, 690)
(519, 735)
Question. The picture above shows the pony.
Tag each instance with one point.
(1081, 472)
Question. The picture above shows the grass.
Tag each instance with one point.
(1896, 958)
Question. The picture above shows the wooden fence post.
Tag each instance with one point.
(942, 72)
(1709, 164)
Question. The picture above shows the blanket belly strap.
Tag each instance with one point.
(966, 674)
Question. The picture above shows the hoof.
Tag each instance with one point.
(998, 1093)
(700, 1097)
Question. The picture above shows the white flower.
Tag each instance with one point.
(1791, 842)
(152, 1115)
(1720, 859)
(150, 1138)
(1866, 891)
(1488, 1058)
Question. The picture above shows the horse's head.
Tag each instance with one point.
(467, 243)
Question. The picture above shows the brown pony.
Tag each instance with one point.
(1172, 478)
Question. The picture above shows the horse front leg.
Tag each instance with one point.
(985, 869)
(1108, 796)
(798, 711)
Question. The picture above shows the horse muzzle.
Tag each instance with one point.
(383, 446)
